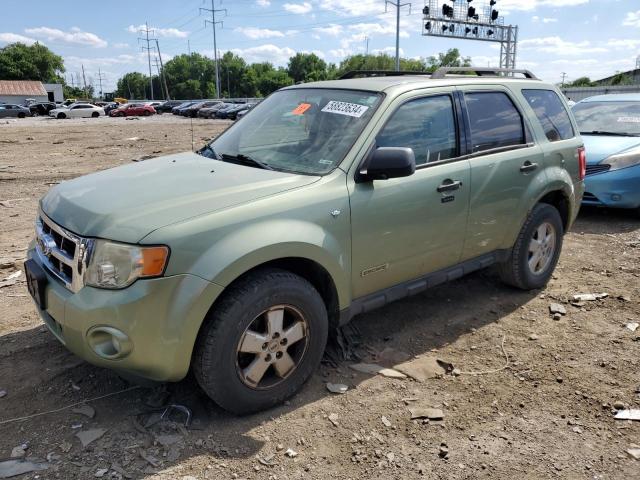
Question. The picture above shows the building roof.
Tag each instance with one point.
(22, 88)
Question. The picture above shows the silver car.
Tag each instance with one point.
(8, 110)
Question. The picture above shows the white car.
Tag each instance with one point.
(77, 110)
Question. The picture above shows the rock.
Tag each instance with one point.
(618, 405)
(443, 452)
(279, 447)
(425, 412)
(66, 447)
(577, 430)
(557, 308)
(291, 453)
(337, 388)
(628, 415)
(557, 316)
(391, 457)
(86, 410)
(633, 326)
(19, 451)
(589, 297)
(53, 457)
(333, 418)
(89, 436)
(13, 468)
(634, 452)
(390, 357)
(168, 440)
(373, 369)
(424, 368)
(101, 472)
(3, 393)
(385, 421)
(533, 337)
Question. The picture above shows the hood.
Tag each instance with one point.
(127, 203)
(600, 147)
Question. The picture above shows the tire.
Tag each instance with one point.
(21, 115)
(146, 113)
(95, 115)
(221, 367)
(523, 269)
(61, 116)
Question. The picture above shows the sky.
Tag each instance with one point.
(594, 38)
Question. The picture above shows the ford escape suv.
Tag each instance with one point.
(327, 200)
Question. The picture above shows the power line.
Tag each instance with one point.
(398, 6)
(163, 78)
(564, 76)
(148, 49)
(101, 77)
(215, 44)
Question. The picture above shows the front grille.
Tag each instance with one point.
(601, 168)
(61, 252)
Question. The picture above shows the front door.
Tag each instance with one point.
(407, 227)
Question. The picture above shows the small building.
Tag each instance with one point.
(18, 91)
(54, 92)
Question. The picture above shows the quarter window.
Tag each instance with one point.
(494, 120)
(427, 126)
(551, 113)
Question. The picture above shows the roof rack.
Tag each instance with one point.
(482, 72)
(379, 73)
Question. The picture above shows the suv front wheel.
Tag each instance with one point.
(536, 252)
(261, 341)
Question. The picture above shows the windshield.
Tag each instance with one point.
(300, 130)
(621, 118)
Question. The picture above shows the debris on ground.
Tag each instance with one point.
(420, 412)
(86, 410)
(20, 451)
(385, 421)
(291, 453)
(337, 387)
(333, 418)
(374, 369)
(634, 451)
(3, 393)
(632, 414)
(633, 326)
(13, 468)
(101, 472)
(88, 436)
(556, 308)
(589, 297)
(424, 368)
(443, 451)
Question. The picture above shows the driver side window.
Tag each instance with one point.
(426, 125)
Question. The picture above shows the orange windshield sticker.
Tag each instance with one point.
(301, 109)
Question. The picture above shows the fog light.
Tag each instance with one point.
(616, 198)
(109, 343)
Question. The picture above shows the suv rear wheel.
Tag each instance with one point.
(535, 255)
(261, 342)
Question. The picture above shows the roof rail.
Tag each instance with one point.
(379, 73)
(481, 72)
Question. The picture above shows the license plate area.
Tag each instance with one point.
(36, 282)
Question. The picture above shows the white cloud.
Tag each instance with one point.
(558, 46)
(530, 5)
(14, 37)
(266, 53)
(75, 36)
(332, 30)
(632, 19)
(161, 32)
(121, 45)
(387, 51)
(549, 20)
(258, 33)
(298, 8)
(353, 8)
(263, 3)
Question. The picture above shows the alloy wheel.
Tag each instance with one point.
(542, 248)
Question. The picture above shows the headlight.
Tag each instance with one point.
(624, 159)
(117, 265)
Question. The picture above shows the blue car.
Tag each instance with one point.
(610, 127)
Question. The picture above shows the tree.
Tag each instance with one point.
(451, 58)
(580, 82)
(307, 67)
(132, 85)
(36, 62)
(621, 79)
(190, 76)
(269, 79)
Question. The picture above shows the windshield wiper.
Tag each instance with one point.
(612, 134)
(246, 160)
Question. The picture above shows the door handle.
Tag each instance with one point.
(528, 167)
(449, 186)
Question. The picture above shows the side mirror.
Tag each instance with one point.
(388, 162)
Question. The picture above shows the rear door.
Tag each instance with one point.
(407, 227)
(506, 166)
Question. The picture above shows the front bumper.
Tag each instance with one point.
(160, 318)
(617, 189)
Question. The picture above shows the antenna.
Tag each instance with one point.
(148, 49)
(213, 23)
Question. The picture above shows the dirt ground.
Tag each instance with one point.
(549, 414)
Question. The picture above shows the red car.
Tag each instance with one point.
(133, 109)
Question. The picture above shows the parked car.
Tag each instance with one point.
(110, 107)
(329, 200)
(166, 107)
(77, 110)
(610, 127)
(242, 113)
(233, 113)
(210, 112)
(178, 109)
(222, 113)
(9, 110)
(193, 110)
(41, 108)
(133, 110)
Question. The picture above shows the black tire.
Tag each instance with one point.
(146, 113)
(21, 115)
(516, 271)
(95, 115)
(216, 360)
(61, 116)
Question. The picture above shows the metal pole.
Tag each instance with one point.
(149, 57)
(84, 80)
(397, 35)
(215, 47)
(164, 77)
(100, 80)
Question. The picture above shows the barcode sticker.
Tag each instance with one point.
(628, 119)
(344, 108)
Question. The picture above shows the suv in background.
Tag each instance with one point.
(326, 201)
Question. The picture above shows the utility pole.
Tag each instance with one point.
(366, 41)
(213, 23)
(100, 79)
(564, 76)
(156, 64)
(84, 80)
(148, 49)
(398, 6)
(164, 77)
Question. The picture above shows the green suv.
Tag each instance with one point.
(326, 201)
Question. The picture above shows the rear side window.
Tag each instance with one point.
(426, 125)
(551, 113)
(494, 120)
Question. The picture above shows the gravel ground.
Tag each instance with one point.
(543, 406)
